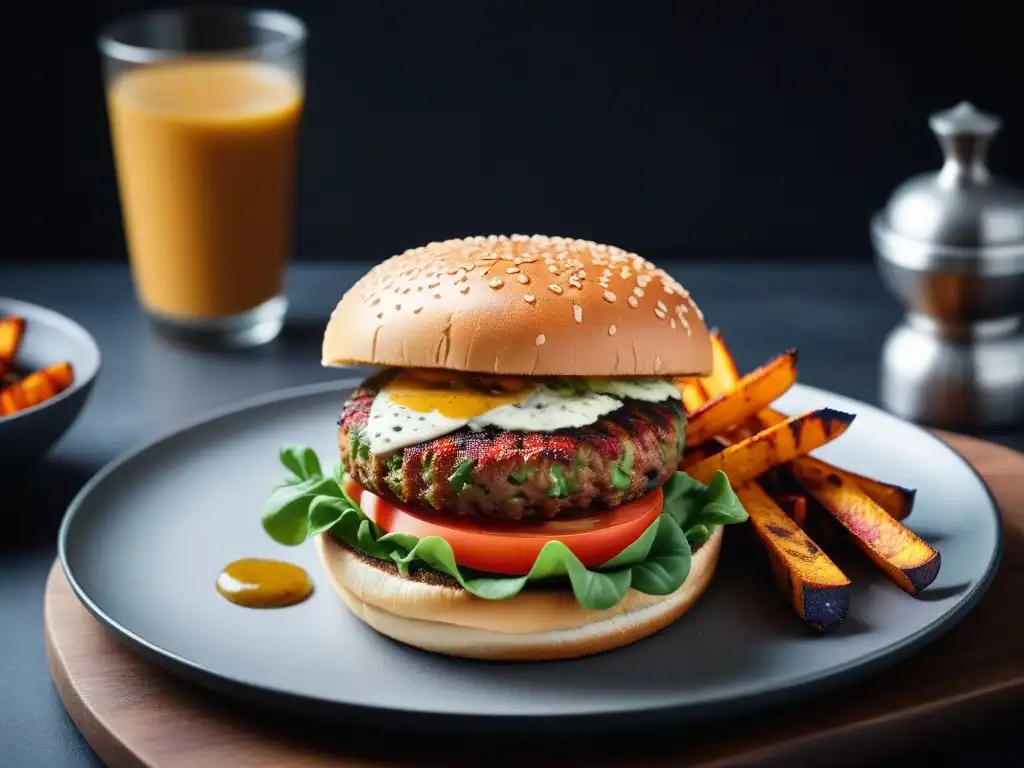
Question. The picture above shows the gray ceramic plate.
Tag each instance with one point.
(145, 539)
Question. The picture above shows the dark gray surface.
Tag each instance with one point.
(837, 315)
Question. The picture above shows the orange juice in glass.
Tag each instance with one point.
(204, 108)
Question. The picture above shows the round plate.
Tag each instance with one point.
(143, 543)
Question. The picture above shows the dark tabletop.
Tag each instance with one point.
(837, 315)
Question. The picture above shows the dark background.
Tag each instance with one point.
(713, 129)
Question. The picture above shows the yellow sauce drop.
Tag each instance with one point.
(426, 391)
(256, 583)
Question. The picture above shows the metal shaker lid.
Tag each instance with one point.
(961, 217)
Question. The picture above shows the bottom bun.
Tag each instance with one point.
(429, 610)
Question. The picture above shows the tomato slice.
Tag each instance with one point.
(511, 548)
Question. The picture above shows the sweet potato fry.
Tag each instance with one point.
(773, 447)
(894, 499)
(35, 388)
(701, 452)
(724, 373)
(750, 395)
(815, 586)
(795, 507)
(692, 394)
(12, 328)
(899, 552)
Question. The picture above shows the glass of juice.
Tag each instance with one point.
(204, 107)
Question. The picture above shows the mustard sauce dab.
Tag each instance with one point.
(259, 583)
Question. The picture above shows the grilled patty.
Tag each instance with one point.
(514, 475)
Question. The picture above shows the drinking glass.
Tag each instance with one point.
(204, 107)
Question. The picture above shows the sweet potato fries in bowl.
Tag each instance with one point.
(47, 367)
(798, 505)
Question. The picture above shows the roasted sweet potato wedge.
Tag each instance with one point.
(795, 506)
(772, 447)
(692, 394)
(699, 453)
(12, 328)
(815, 586)
(899, 552)
(748, 397)
(894, 499)
(35, 388)
(724, 373)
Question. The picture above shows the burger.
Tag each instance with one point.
(509, 484)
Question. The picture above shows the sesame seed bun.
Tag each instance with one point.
(521, 306)
(430, 611)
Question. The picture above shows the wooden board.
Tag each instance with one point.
(134, 713)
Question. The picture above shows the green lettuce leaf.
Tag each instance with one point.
(306, 504)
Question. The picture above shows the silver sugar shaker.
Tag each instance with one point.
(949, 244)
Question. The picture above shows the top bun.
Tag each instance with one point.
(541, 306)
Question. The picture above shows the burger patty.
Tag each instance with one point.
(515, 475)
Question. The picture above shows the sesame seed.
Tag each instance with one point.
(529, 298)
(660, 314)
(577, 312)
(541, 338)
(672, 323)
(638, 292)
(437, 295)
(555, 288)
(633, 302)
(611, 330)
(380, 315)
(643, 280)
(553, 269)
(433, 284)
(375, 302)
(522, 278)
(661, 305)
(464, 289)
(417, 310)
(657, 364)
(609, 296)
(497, 282)
(625, 273)
(511, 270)
(398, 306)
